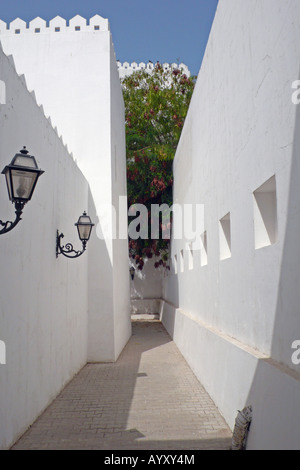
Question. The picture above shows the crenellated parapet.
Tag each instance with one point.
(127, 68)
(40, 107)
(56, 25)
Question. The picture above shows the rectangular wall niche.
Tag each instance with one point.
(203, 249)
(181, 261)
(225, 237)
(191, 256)
(175, 264)
(265, 214)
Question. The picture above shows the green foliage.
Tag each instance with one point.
(156, 106)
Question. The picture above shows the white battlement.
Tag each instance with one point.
(56, 25)
(126, 68)
(22, 79)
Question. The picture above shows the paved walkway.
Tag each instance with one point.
(149, 399)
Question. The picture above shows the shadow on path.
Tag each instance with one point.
(148, 399)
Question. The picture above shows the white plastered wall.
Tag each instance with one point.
(146, 288)
(235, 319)
(74, 75)
(44, 299)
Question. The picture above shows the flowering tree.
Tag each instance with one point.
(156, 104)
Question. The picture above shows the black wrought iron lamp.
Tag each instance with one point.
(21, 178)
(84, 227)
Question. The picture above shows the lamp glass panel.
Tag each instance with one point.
(22, 183)
(23, 160)
(7, 176)
(84, 231)
(84, 219)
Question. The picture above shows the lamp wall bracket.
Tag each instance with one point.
(8, 226)
(68, 250)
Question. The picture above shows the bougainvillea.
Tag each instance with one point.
(156, 106)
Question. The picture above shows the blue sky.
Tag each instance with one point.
(142, 30)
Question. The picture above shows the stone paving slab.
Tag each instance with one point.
(149, 399)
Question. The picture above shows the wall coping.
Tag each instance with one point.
(56, 25)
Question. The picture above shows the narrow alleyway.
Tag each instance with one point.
(149, 399)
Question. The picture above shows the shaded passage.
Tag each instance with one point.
(149, 399)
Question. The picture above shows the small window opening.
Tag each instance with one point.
(203, 249)
(191, 256)
(175, 264)
(225, 237)
(181, 261)
(265, 214)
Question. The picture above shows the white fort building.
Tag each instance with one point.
(231, 302)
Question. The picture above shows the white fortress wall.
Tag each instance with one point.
(146, 288)
(127, 68)
(44, 300)
(122, 324)
(69, 68)
(235, 314)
